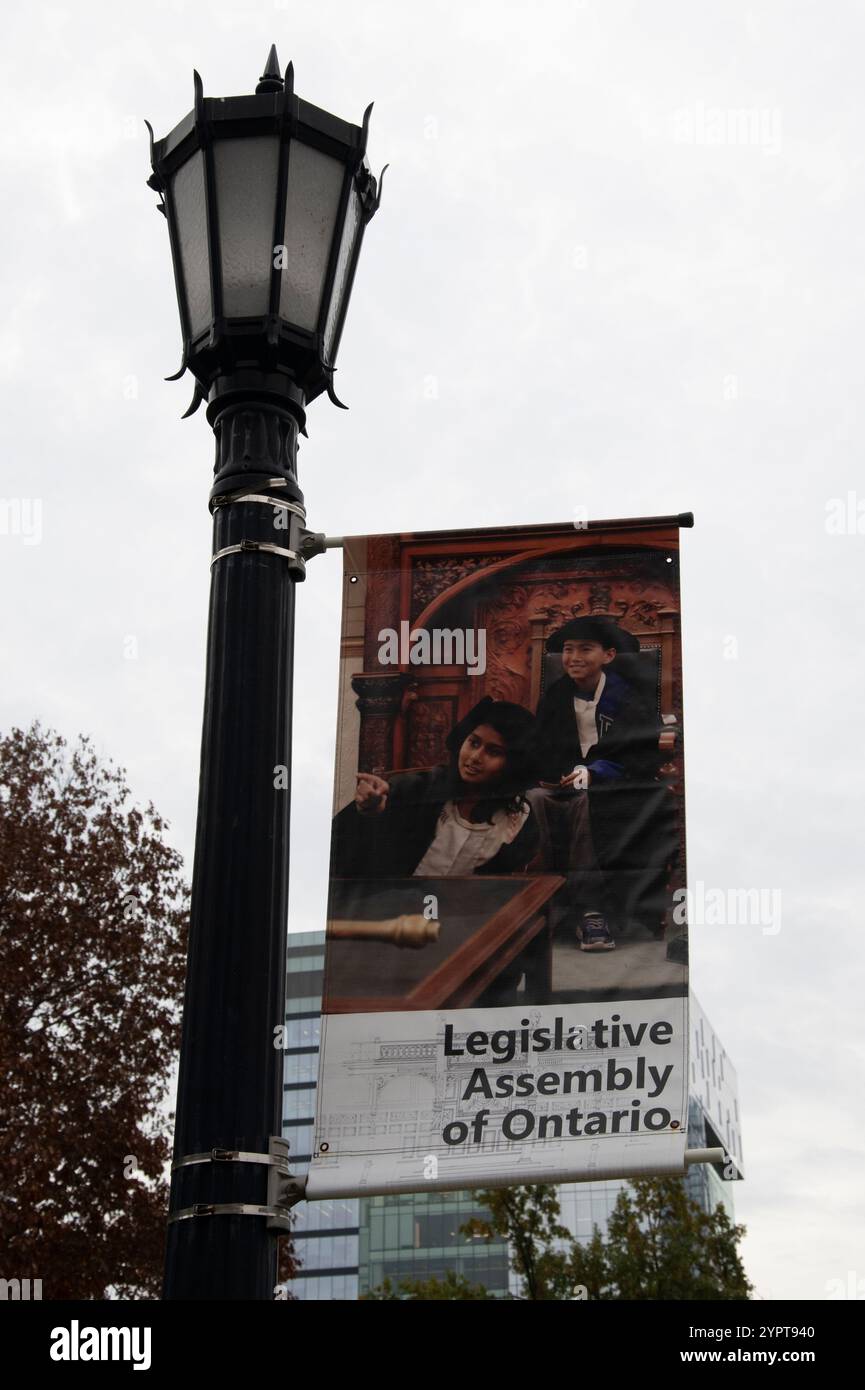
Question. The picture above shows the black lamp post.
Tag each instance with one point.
(266, 198)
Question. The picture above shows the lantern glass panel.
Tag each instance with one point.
(350, 231)
(246, 176)
(314, 186)
(190, 212)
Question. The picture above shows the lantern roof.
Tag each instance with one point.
(209, 218)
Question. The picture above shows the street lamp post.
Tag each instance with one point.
(266, 198)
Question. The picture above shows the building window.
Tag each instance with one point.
(298, 1103)
(303, 1032)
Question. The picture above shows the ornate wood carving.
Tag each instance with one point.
(382, 595)
(430, 722)
(379, 702)
(526, 611)
(432, 575)
(518, 609)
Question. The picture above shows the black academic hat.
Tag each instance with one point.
(597, 629)
(514, 723)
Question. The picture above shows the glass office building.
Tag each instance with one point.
(418, 1236)
(350, 1247)
(713, 1115)
(713, 1122)
(325, 1234)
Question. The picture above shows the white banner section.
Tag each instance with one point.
(492, 1097)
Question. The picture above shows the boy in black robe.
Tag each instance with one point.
(597, 750)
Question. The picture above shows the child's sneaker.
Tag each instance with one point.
(593, 933)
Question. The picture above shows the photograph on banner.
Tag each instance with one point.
(507, 844)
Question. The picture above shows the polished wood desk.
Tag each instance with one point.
(487, 923)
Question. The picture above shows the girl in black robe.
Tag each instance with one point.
(467, 816)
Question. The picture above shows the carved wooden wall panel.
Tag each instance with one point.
(383, 593)
(518, 607)
(432, 575)
(429, 723)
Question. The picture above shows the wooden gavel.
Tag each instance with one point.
(412, 931)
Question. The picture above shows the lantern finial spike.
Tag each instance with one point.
(271, 78)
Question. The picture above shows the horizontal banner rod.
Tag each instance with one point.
(704, 1156)
(682, 520)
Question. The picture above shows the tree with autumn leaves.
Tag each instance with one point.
(94, 913)
(93, 919)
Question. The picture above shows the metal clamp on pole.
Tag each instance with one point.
(316, 543)
(296, 564)
(289, 518)
(283, 1188)
(308, 543)
(232, 1156)
(277, 503)
(276, 1217)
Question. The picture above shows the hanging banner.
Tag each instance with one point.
(506, 975)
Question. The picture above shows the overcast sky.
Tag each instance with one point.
(618, 265)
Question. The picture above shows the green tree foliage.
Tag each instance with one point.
(660, 1245)
(528, 1218)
